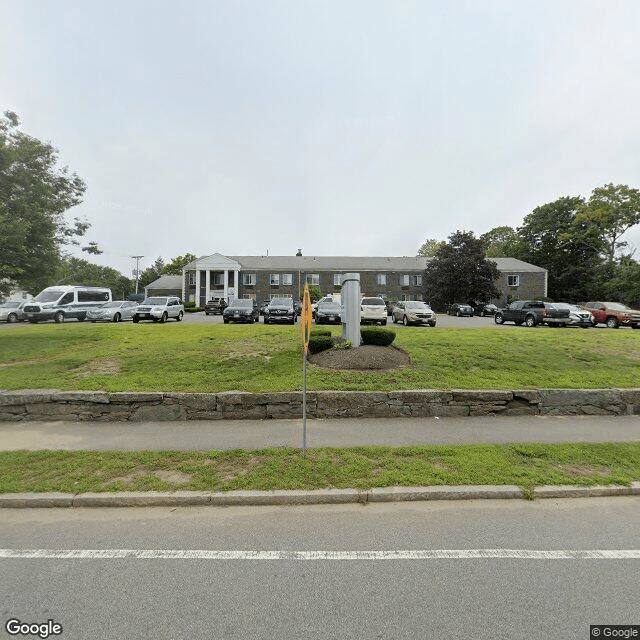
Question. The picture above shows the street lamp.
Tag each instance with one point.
(137, 273)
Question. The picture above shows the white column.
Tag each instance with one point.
(197, 286)
(226, 285)
(207, 280)
(236, 283)
(184, 277)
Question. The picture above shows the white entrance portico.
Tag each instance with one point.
(220, 275)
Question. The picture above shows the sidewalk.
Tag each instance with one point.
(205, 435)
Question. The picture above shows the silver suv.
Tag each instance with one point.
(159, 309)
(373, 310)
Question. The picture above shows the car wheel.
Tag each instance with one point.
(59, 317)
(394, 320)
(179, 318)
(635, 326)
(405, 321)
(117, 317)
(12, 317)
(612, 322)
(530, 321)
(384, 322)
(457, 314)
(432, 324)
(164, 317)
(135, 319)
(498, 319)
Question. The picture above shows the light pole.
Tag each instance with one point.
(137, 259)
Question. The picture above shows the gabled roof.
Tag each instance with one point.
(215, 262)
(166, 282)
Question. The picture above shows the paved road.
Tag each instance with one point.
(204, 435)
(196, 593)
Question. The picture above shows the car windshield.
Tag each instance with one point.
(328, 306)
(415, 304)
(242, 303)
(114, 303)
(49, 296)
(282, 302)
(158, 301)
(10, 305)
(378, 302)
(617, 306)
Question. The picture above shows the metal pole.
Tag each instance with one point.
(137, 259)
(304, 407)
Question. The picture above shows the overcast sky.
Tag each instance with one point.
(337, 127)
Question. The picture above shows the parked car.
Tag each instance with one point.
(328, 312)
(530, 313)
(12, 311)
(280, 310)
(373, 311)
(577, 317)
(414, 312)
(241, 310)
(460, 309)
(159, 309)
(485, 309)
(114, 311)
(553, 319)
(215, 306)
(62, 302)
(613, 314)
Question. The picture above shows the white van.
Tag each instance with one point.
(63, 302)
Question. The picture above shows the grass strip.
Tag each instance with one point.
(524, 465)
(211, 358)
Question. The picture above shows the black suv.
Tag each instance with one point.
(241, 310)
(215, 306)
(280, 310)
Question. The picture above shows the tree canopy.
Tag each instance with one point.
(35, 195)
(460, 272)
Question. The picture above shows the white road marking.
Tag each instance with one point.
(239, 554)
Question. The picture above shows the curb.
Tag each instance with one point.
(300, 497)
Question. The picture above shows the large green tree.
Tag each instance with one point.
(35, 194)
(429, 247)
(460, 272)
(501, 242)
(78, 271)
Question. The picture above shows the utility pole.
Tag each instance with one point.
(137, 273)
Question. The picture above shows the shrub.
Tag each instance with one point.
(320, 343)
(344, 344)
(377, 335)
(316, 331)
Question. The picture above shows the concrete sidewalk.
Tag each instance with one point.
(206, 435)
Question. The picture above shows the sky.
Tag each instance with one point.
(336, 127)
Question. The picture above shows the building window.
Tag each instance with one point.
(217, 279)
(513, 281)
(249, 279)
(287, 279)
(404, 280)
(274, 279)
(418, 296)
(191, 277)
(337, 279)
(249, 296)
(280, 295)
(416, 281)
(313, 278)
(381, 279)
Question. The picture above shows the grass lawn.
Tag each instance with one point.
(213, 358)
(524, 465)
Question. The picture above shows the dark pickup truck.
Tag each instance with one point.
(531, 313)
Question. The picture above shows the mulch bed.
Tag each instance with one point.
(365, 358)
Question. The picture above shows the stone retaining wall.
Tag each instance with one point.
(96, 405)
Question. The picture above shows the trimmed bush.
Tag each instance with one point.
(377, 335)
(317, 331)
(320, 343)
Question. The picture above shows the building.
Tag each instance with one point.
(395, 278)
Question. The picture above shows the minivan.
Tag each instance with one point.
(61, 302)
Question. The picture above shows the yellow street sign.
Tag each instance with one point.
(306, 318)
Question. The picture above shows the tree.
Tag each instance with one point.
(429, 247)
(501, 242)
(459, 272)
(174, 268)
(314, 293)
(152, 273)
(612, 210)
(570, 250)
(35, 194)
(78, 271)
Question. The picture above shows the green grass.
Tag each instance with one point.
(524, 465)
(213, 358)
